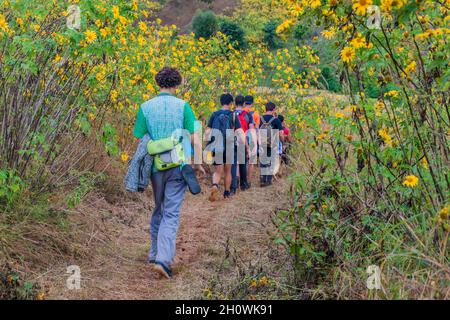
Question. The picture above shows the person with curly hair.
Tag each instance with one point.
(160, 118)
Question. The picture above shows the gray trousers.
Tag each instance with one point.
(168, 189)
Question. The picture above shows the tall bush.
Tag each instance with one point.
(234, 32)
(204, 24)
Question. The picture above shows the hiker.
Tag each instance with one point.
(160, 118)
(269, 135)
(286, 137)
(221, 133)
(252, 136)
(241, 158)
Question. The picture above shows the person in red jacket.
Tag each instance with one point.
(241, 160)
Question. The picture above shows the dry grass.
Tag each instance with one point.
(107, 236)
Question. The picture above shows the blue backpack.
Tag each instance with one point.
(222, 122)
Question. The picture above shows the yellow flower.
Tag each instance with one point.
(123, 20)
(425, 163)
(339, 115)
(315, 3)
(387, 5)
(91, 36)
(348, 54)
(410, 181)
(263, 281)
(114, 95)
(116, 12)
(142, 26)
(124, 157)
(321, 136)
(329, 34)
(254, 283)
(286, 25)
(392, 93)
(40, 296)
(104, 32)
(443, 213)
(19, 21)
(411, 67)
(3, 23)
(358, 42)
(383, 133)
(57, 59)
(360, 6)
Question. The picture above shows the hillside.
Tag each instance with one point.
(180, 12)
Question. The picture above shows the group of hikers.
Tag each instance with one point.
(242, 126)
(238, 139)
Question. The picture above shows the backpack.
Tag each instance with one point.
(244, 120)
(256, 118)
(265, 134)
(222, 123)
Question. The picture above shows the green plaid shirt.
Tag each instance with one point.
(162, 115)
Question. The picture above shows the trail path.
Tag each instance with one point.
(209, 233)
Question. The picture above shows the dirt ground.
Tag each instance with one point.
(180, 12)
(114, 229)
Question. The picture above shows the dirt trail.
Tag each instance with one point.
(118, 242)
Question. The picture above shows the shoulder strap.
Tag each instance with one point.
(267, 122)
(271, 120)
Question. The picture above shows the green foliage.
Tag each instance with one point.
(10, 187)
(204, 24)
(271, 37)
(330, 80)
(234, 32)
(301, 32)
(85, 184)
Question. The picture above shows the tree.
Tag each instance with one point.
(204, 24)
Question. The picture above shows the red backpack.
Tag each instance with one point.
(243, 119)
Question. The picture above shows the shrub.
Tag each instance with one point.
(270, 35)
(330, 80)
(204, 24)
(234, 32)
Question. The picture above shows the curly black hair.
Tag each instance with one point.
(168, 77)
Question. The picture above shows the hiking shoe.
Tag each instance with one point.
(227, 194)
(163, 270)
(213, 193)
(245, 186)
(232, 191)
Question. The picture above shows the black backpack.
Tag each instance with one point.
(222, 122)
(265, 134)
